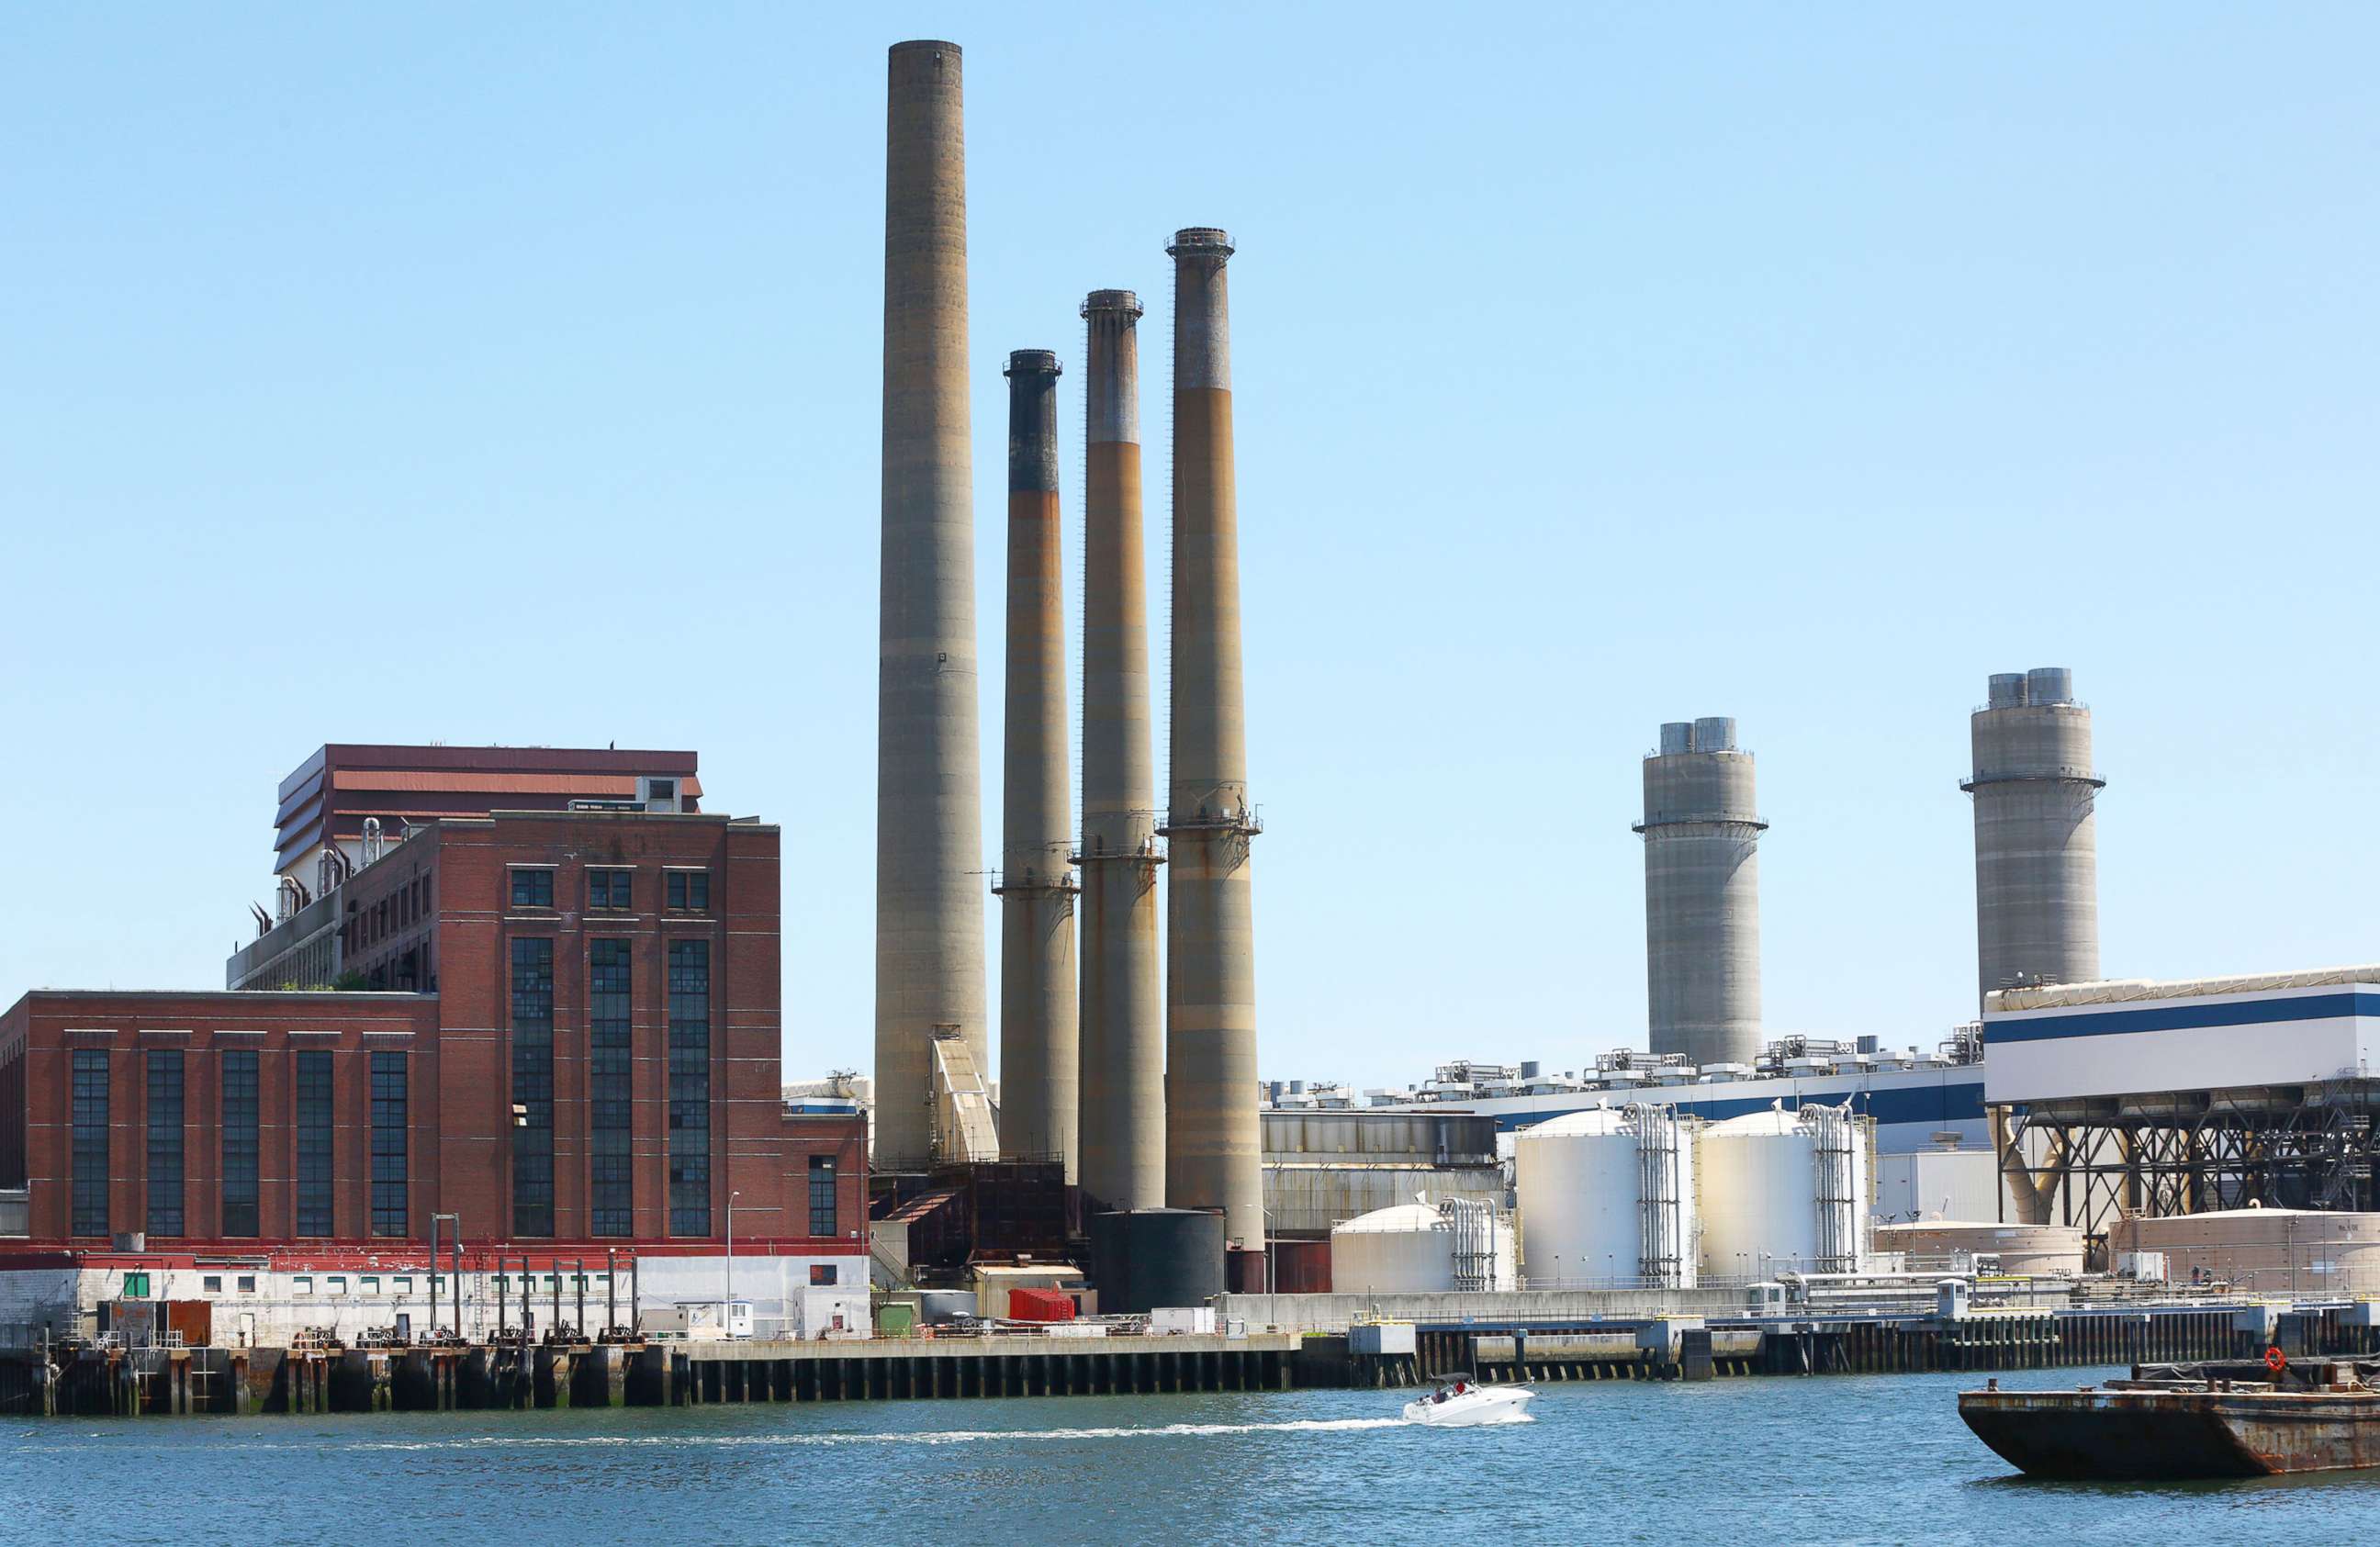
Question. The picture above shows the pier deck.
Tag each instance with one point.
(85, 1381)
(174, 1382)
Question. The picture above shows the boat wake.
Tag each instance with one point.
(942, 1436)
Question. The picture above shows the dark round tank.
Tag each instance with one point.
(1151, 1257)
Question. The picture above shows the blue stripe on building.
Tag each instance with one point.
(1924, 1103)
(2176, 1018)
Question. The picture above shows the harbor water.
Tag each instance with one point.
(1832, 1459)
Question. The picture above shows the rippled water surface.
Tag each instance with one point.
(1873, 1458)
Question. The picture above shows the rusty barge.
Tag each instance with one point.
(2222, 1419)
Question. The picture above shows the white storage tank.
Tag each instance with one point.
(1928, 1245)
(1607, 1200)
(1782, 1193)
(1405, 1249)
(2262, 1251)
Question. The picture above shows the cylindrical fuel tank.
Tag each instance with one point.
(2027, 1248)
(1151, 1257)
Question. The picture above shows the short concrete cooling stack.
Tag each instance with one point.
(2037, 835)
(1213, 1134)
(1122, 1011)
(1037, 1052)
(1702, 895)
(928, 819)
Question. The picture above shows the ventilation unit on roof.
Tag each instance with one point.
(658, 794)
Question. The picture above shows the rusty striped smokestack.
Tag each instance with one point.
(1123, 1013)
(1211, 1128)
(929, 820)
(1037, 1051)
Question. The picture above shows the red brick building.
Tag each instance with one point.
(576, 1041)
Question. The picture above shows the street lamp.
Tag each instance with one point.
(457, 1282)
(727, 1305)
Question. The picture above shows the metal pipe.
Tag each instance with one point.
(929, 969)
(611, 1290)
(1213, 1142)
(727, 1300)
(1122, 1006)
(1038, 1095)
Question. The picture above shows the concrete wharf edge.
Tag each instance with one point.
(242, 1382)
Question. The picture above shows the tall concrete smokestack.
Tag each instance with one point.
(1037, 1051)
(1702, 895)
(1122, 1013)
(1212, 1137)
(2036, 833)
(928, 821)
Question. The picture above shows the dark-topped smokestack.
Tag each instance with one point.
(1122, 1011)
(1037, 1052)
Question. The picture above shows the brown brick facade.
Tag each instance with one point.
(457, 1047)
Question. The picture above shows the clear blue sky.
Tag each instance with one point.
(487, 373)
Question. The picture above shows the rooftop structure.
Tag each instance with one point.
(347, 795)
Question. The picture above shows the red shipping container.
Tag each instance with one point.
(1040, 1305)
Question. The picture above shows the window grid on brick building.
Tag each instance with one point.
(533, 1087)
(822, 1221)
(611, 1188)
(607, 890)
(89, 1117)
(317, 1165)
(165, 1211)
(689, 1087)
(388, 1129)
(242, 1149)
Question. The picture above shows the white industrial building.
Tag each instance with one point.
(270, 1299)
(2130, 1098)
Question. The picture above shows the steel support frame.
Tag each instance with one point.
(2314, 1146)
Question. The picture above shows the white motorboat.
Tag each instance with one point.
(1460, 1402)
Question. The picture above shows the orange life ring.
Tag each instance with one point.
(2275, 1361)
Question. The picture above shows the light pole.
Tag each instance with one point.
(727, 1305)
(456, 1283)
